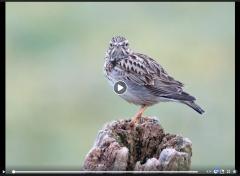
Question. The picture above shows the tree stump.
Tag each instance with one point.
(144, 147)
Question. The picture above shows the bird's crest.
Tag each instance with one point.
(118, 39)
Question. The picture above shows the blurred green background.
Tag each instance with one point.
(58, 98)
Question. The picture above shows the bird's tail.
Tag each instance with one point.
(193, 105)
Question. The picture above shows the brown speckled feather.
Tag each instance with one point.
(147, 72)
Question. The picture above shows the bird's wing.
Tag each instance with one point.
(145, 71)
(157, 70)
(134, 69)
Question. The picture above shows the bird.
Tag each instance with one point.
(147, 81)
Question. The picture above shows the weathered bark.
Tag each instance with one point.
(144, 147)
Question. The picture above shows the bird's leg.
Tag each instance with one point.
(138, 115)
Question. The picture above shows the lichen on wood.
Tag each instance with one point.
(142, 147)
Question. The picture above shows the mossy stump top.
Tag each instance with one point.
(143, 147)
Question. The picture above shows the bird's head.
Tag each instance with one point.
(118, 48)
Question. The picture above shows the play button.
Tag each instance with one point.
(120, 87)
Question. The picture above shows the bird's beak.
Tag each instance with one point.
(116, 53)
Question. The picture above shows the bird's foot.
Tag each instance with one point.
(135, 120)
(138, 116)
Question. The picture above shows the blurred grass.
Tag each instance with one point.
(57, 97)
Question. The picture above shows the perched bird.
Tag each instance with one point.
(147, 82)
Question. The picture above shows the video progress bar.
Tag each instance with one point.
(83, 172)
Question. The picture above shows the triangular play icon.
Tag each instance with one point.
(119, 87)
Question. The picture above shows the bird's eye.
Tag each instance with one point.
(126, 44)
(111, 45)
